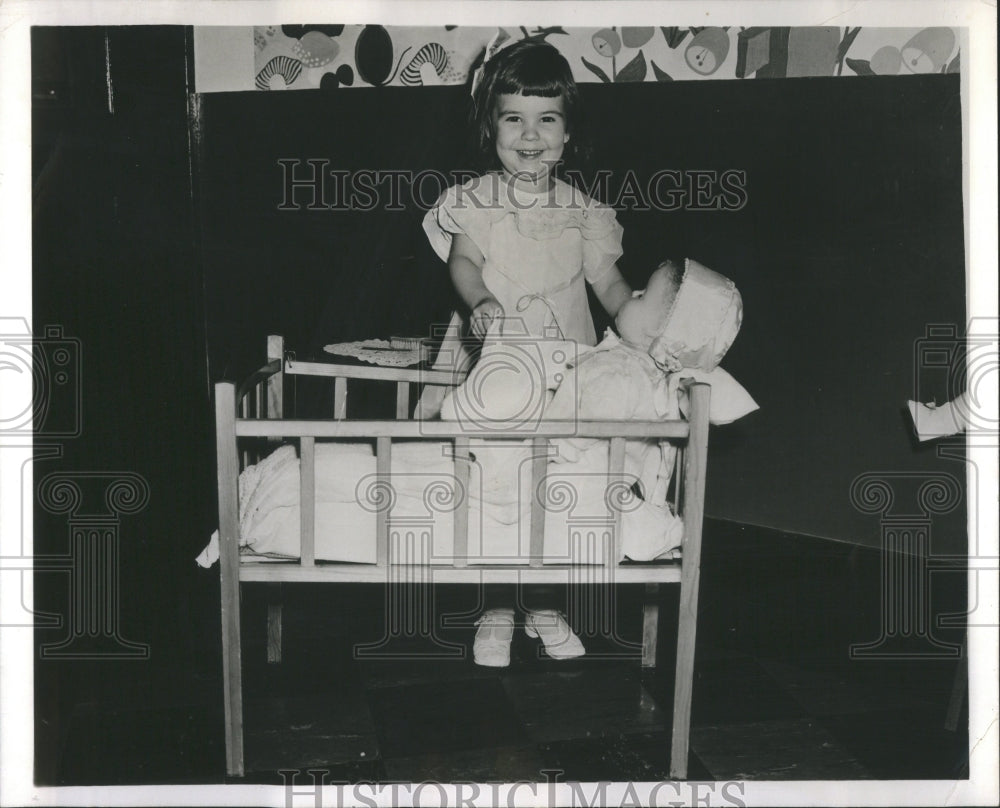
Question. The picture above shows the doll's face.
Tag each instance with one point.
(530, 136)
(641, 319)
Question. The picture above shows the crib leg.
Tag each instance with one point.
(683, 683)
(695, 461)
(650, 622)
(229, 574)
(274, 622)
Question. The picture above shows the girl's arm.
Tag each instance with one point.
(465, 264)
(612, 290)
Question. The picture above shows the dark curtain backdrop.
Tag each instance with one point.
(849, 244)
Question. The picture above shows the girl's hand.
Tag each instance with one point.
(483, 314)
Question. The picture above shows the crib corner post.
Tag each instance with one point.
(275, 346)
(650, 624)
(276, 382)
(274, 604)
(229, 571)
(695, 460)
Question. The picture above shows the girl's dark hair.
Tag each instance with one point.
(529, 67)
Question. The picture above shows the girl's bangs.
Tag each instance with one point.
(524, 83)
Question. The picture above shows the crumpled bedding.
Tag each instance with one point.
(578, 525)
(614, 381)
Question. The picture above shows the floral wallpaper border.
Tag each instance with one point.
(334, 56)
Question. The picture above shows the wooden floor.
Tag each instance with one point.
(776, 695)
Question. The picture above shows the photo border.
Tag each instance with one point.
(978, 48)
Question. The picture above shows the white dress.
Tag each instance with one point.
(539, 252)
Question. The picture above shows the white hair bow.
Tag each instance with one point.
(494, 46)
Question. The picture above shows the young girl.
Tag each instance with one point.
(521, 243)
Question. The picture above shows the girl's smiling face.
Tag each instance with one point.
(530, 136)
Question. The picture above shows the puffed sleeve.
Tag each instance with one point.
(460, 209)
(602, 240)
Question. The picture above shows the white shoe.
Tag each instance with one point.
(492, 645)
(559, 640)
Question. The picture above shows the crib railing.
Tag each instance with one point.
(385, 432)
(262, 406)
(403, 377)
(260, 416)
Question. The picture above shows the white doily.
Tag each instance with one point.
(395, 352)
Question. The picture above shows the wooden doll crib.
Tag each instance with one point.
(255, 413)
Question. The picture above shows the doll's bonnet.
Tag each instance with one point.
(702, 323)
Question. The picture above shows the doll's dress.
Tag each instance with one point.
(620, 381)
(539, 251)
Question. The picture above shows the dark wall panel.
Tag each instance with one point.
(848, 245)
(115, 268)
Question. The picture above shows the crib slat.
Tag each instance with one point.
(383, 463)
(616, 478)
(244, 412)
(678, 479)
(539, 461)
(403, 400)
(340, 397)
(460, 552)
(307, 500)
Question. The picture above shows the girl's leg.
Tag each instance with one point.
(499, 596)
(534, 597)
